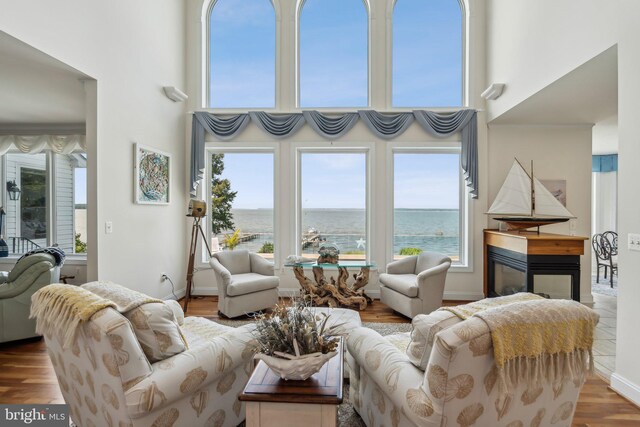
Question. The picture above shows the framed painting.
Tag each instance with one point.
(557, 187)
(152, 176)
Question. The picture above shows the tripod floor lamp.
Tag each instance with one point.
(197, 210)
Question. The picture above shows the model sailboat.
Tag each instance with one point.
(523, 202)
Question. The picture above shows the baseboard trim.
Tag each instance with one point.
(463, 296)
(179, 293)
(374, 293)
(626, 388)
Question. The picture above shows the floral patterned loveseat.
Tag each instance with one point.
(458, 385)
(107, 380)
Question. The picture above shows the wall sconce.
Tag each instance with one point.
(493, 91)
(13, 190)
(175, 94)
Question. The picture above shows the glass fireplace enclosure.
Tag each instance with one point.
(555, 276)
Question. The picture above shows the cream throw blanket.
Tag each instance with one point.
(467, 310)
(61, 309)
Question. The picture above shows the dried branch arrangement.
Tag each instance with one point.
(294, 330)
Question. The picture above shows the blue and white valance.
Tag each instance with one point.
(383, 125)
(604, 163)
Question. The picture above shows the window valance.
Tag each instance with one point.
(383, 125)
(59, 144)
(604, 163)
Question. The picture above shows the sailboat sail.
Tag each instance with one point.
(515, 197)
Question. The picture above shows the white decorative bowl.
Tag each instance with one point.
(296, 367)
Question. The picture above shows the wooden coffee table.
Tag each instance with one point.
(272, 401)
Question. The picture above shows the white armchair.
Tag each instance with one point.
(415, 285)
(246, 282)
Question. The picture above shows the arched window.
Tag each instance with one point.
(242, 39)
(427, 53)
(333, 53)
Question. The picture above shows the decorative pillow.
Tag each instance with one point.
(177, 310)
(157, 330)
(424, 328)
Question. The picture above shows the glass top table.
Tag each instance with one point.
(345, 264)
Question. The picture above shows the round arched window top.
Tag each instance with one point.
(333, 52)
(242, 54)
(427, 53)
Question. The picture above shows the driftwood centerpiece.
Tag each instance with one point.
(335, 293)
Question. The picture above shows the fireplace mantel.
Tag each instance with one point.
(532, 253)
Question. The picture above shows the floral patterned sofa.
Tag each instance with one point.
(107, 380)
(394, 383)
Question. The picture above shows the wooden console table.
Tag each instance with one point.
(274, 402)
(335, 293)
(532, 254)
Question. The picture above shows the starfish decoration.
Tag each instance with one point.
(361, 243)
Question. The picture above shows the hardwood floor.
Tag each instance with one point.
(27, 376)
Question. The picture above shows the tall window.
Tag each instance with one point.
(427, 53)
(46, 212)
(242, 54)
(33, 204)
(241, 194)
(334, 53)
(426, 203)
(334, 202)
(80, 202)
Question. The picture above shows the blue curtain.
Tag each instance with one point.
(605, 163)
(384, 125)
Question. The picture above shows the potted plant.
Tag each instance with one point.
(294, 341)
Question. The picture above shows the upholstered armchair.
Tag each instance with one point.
(415, 285)
(246, 282)
(107, 379)
(451, 380)
(16, 287)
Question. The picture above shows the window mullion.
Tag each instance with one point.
(51, 199)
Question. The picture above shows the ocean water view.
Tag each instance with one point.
(426, 229)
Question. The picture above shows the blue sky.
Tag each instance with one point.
(334, 54)
(338, 180)
(251, 175)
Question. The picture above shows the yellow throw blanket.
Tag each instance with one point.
(467, 310)
(63, 308)
(538, 340)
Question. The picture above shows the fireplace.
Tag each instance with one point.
(547, 264)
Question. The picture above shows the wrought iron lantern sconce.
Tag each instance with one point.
(13, 190)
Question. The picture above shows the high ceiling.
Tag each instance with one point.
(588, 94)
(36, 89)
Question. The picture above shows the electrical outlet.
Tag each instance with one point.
(163, 277)
(633, 241)
(108, 227)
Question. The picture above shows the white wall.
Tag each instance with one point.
(549, 148)
(626, 378)
(132, 49)
(532, 43)
(605, 136)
